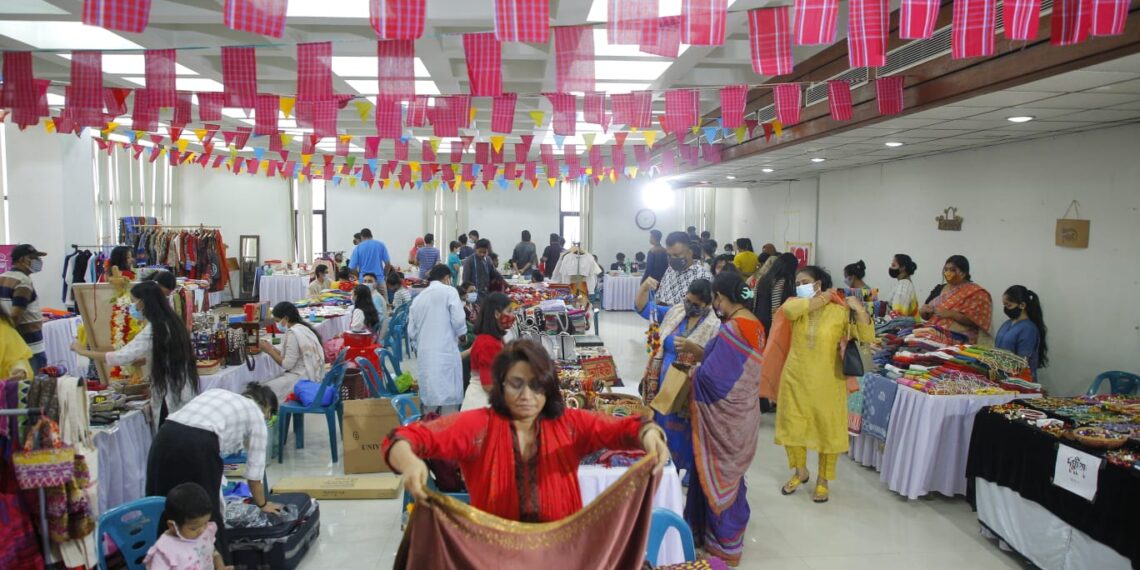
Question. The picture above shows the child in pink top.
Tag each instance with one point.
(188, 543)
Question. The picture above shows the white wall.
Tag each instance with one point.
(1010, 197)
(777, 214)
(395, 217)
(241, 204)
(615, 228)
(501, 215)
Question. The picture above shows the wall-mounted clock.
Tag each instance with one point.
(645, 219)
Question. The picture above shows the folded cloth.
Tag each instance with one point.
(878, 401)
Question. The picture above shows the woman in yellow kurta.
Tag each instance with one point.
(811, 410)
(14, 352)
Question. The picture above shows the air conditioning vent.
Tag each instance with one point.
(817, 93)
(917, 52)
(766, 114)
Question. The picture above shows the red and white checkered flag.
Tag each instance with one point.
(917, 19)
(522, 21)
(265, 115)
(427, 152)
(1022, 19)
(665, 39)
(122, 15)
(388, 117)
(397, 19)
(973, 28)
(703, 22)
(574, 58)
(815, 21)
(1108, 17)
(314, 71)
(682, 109)
(417, 111)
(770, 39)
(182, 106)
(265, 17)
(1072, 22)
(484, 56)
(396, 74)
(503, 113)
(631, 22)
(160, 76)
(144, 116)
(732, 101)
(867, 22)
(788, 98)
(839, 100)
(239, 76)
(85, 100)
(210, 106)
(322, 117)
(889, 94)
(565, 110)
(19, 83)
(594, 107)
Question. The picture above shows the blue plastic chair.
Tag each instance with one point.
(397, 335)
(389, 368)
(133, 527)
(378, 387)
(663, 520)
(340, 357)
(407, 409)
(334, 414)
(1121, 383)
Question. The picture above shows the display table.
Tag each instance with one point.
(1011, 468)
(331, 327)
(593, 479)
(58, 336)
(928, 441)
(235, 378)
(123, 448)
(273, 289)
(619, 291)
(866, 451)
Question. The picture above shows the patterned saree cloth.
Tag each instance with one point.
(610, 533)
(971, 300)
(726, 421)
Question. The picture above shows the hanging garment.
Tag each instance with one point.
(610, 533)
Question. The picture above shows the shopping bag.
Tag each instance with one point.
(1072, 232)
(675, 391)
(45, 461)
(366, 423)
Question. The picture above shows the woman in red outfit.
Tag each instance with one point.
(520, 456)
(493, 321)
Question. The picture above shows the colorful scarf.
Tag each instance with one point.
(971, 300)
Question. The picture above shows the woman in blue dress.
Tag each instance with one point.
(1024, 333)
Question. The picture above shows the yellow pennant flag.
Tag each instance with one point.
(470, 184)
(472, 119)
(286, 139)
(633, 172)
(539, 117)
(589, 138)
(301, 178)
(778, 128)
(613, 176)
(741, 132)
(138, 134)
(305, 158)
(346, 138)
(161, 150)
(287, 104)
(49, 126)
(434, 142)
(633, 129)
(352, 181)
(518, 183)
(415, 166)
(233, 152)
(589, 171)
(497, 142)
(200, 133)
(363, 108)
(650, 138)
(182, 144)
(695, 129)
(551, 181)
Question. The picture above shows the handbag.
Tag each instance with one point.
(653, 334)
(44, 464)
(675, 391)
(852, 359)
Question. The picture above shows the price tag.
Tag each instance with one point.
(1076, 472)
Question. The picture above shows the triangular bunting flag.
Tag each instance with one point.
(287, 104)
(363, 108)
(589, 139)
(538, 117)
(650, 138)
(497, 142)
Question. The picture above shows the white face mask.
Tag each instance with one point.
(805, 291)
(472, 297)
(37, 265)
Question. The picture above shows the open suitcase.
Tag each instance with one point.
(278, 547)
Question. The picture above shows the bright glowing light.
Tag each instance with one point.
(1020, 119)
(657, 195)
(818, 159)
(767, 170)
(893, 144)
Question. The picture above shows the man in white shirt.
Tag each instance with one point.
(436, 324)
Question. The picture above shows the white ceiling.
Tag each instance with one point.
(1098, 97)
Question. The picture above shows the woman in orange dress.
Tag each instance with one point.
(964, 308)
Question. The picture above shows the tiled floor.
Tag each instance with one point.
(863, 526)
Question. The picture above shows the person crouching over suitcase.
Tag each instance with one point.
(190, 446)
(189, 538)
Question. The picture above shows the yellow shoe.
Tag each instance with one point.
(794, 483)
(821, 493)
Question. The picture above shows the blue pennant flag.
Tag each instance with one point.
(710, 134)
(476, 170)
(558, 140)
(258, 153)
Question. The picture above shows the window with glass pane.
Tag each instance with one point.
(572, 228)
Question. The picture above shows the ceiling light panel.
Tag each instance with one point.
(131, 64)
(198, 84)
(367, 66)
(69, 36)
(371, 87)
(629, 70)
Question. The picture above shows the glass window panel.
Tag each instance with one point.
(318, 195)
(319, 231)
(572, 228)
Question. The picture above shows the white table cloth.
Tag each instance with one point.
(593, 479)
(928, 440)
(333, 326)
(235, 378)
(866, 451)
(123, 448)
(619, 291)
(58, 336)
(273, 289)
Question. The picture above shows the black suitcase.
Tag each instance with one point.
(278, 547)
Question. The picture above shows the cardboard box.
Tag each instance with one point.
(366, 423)
(380, 487)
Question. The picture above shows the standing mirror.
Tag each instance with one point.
(249, 248)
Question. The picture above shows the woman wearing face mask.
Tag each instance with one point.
(301, 354)
(853, 275)
(1024, 333)
(365, 318)
(725, 412)
(904, 300)
(963, 307)
(690, 322)
(492, 323)
(811, 410)
(162, 347)
(379, 300)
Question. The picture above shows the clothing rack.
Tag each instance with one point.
(45, 540)
(77, 246)
(197, 227)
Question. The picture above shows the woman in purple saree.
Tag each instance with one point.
(725, 411)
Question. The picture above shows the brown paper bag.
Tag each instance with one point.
(1072, 232)
(675, 391)
(366, 423)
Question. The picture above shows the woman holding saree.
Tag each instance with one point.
(519, 457)
(693, 321)
(963, 307)
(725, 412)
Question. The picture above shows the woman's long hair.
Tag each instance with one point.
(486, 322)
(783, 269)
(362, 299)
(1020, 294)
(288, 311)
(173, 365)
(120, 257)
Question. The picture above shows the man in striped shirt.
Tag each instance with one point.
(18, 297)
(427, 256)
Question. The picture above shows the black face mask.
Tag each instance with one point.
(678, 264)
(1012, 313)
(894, 271)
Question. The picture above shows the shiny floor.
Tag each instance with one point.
(863, 526)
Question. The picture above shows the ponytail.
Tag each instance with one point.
(1020, 294)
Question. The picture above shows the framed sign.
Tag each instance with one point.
(802, 250)
(6, 257)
